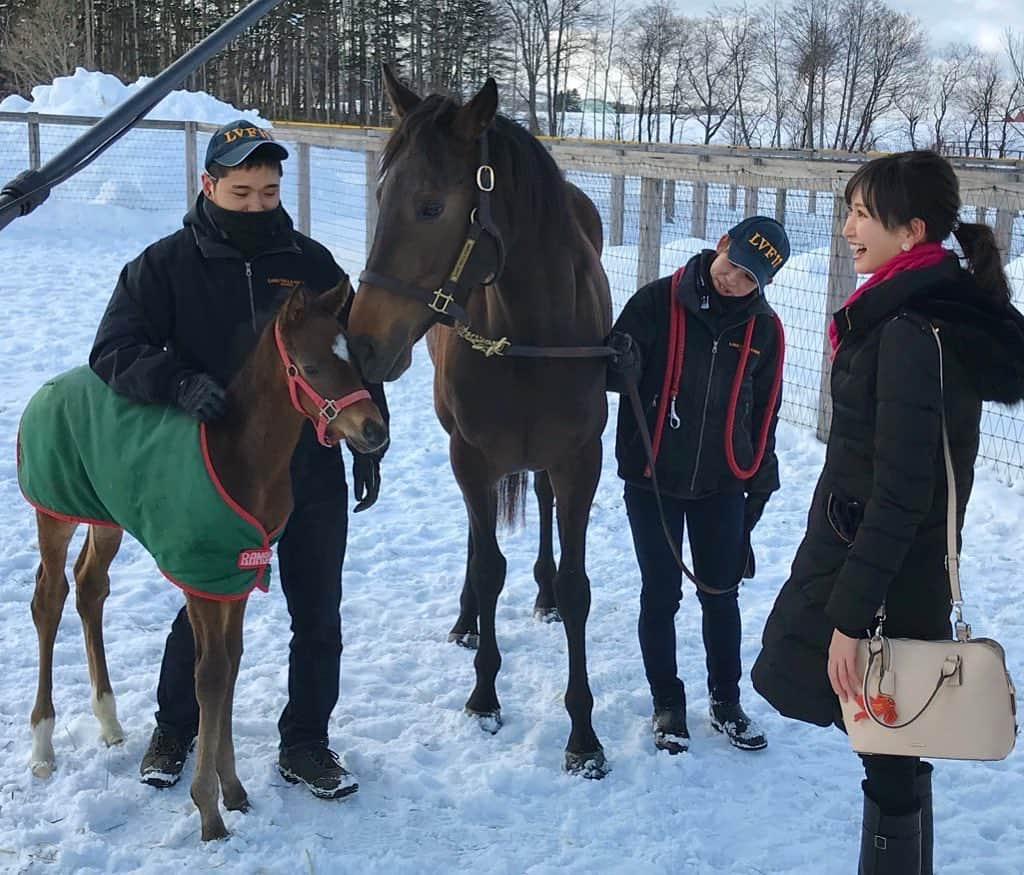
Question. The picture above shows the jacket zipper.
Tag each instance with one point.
(704, 413)
(252, 302)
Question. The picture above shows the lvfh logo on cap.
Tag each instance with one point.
(233, 143)
(760, 246)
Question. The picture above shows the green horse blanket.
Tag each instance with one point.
(87, 454)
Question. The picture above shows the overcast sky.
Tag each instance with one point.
(979, 22)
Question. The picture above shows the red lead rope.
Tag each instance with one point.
(773, 397)
(673, 364)
(673, 376)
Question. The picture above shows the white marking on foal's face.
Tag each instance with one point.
(341, 348)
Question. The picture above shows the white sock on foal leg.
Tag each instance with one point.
(105, 709)
(42, 761)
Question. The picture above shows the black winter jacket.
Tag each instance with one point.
(876, 526)
(691, 461)
(191, 302)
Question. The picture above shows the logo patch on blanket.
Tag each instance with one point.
(86, 454)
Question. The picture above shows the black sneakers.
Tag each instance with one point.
(319, 768)
(741, 731)
(164, 758)
(670, 733)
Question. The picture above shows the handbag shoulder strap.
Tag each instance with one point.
(952, 555)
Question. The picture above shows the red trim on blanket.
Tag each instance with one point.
(228, 500)
(57, 515)
(256, 584)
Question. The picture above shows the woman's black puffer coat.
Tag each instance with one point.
(876, 526)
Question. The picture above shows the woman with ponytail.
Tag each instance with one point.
(876, 526)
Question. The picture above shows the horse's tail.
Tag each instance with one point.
(512, 499)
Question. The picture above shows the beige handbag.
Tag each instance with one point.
(936, 699)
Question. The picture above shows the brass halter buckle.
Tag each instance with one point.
(437, 306)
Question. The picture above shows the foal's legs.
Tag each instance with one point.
(544, 568)
(92, 585)
(217, 626)
(575, 481)
(47, 606)
(485, 571)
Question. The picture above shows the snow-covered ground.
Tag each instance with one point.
(436, 793)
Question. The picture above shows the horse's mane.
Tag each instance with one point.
(528, 180)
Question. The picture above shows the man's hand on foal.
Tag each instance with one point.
(201, 396)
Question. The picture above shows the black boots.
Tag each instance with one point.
(889, 844)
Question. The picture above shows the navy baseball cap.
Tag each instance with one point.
(760, 246)
(232, 143)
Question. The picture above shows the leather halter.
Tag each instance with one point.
(328, 409)
(447, 301)
(468, 271)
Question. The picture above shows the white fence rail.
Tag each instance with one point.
(659, 205)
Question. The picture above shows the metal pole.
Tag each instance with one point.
(30, 188)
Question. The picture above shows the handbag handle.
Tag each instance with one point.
(953, 664)
(963, 630)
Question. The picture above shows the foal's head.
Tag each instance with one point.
(427, 191)
(323, 382)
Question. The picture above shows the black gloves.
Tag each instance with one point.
(625, 366)
(753, 507)
(365, 479)
(201, 396)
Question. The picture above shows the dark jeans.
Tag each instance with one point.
(717, 543)
(309, 557)
(891, 782)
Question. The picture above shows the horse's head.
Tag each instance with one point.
(322, 380)
(434, 240)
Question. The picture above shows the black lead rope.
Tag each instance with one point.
(645, 437)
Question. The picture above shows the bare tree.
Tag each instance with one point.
(710, 72)
(529, 27)
(43, 42)
(652, 31)
(811, 37)
(741, 34)
(947, 74)
(776, 73)
(981, 100)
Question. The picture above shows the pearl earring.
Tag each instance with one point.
(905, 247)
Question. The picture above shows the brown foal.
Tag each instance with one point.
(250, 449)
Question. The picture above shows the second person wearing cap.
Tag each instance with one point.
(706, 350)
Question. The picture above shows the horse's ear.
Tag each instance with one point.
(476, 115)
(403, 100)
(334, 300)
(295, 305)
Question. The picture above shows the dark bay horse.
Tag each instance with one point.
(249, 451)
(478, 230)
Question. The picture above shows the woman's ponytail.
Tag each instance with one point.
(979, 246)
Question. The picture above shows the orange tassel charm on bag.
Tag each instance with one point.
(882, 706)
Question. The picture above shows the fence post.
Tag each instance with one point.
(699, 213)
(812, 202)
(780, 205)
(750, 200)
(618, 210)
(35, 157)
(302, 154)
(670, 201)
(732, 196)
(191, 165)
(1004, 232)
(648, 264)
(842, 279)
(372, 165)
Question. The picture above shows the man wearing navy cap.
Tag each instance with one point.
(181, 321)
(705, 350)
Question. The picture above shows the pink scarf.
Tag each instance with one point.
(922, 255)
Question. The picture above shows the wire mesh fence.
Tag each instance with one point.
(658, 208)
